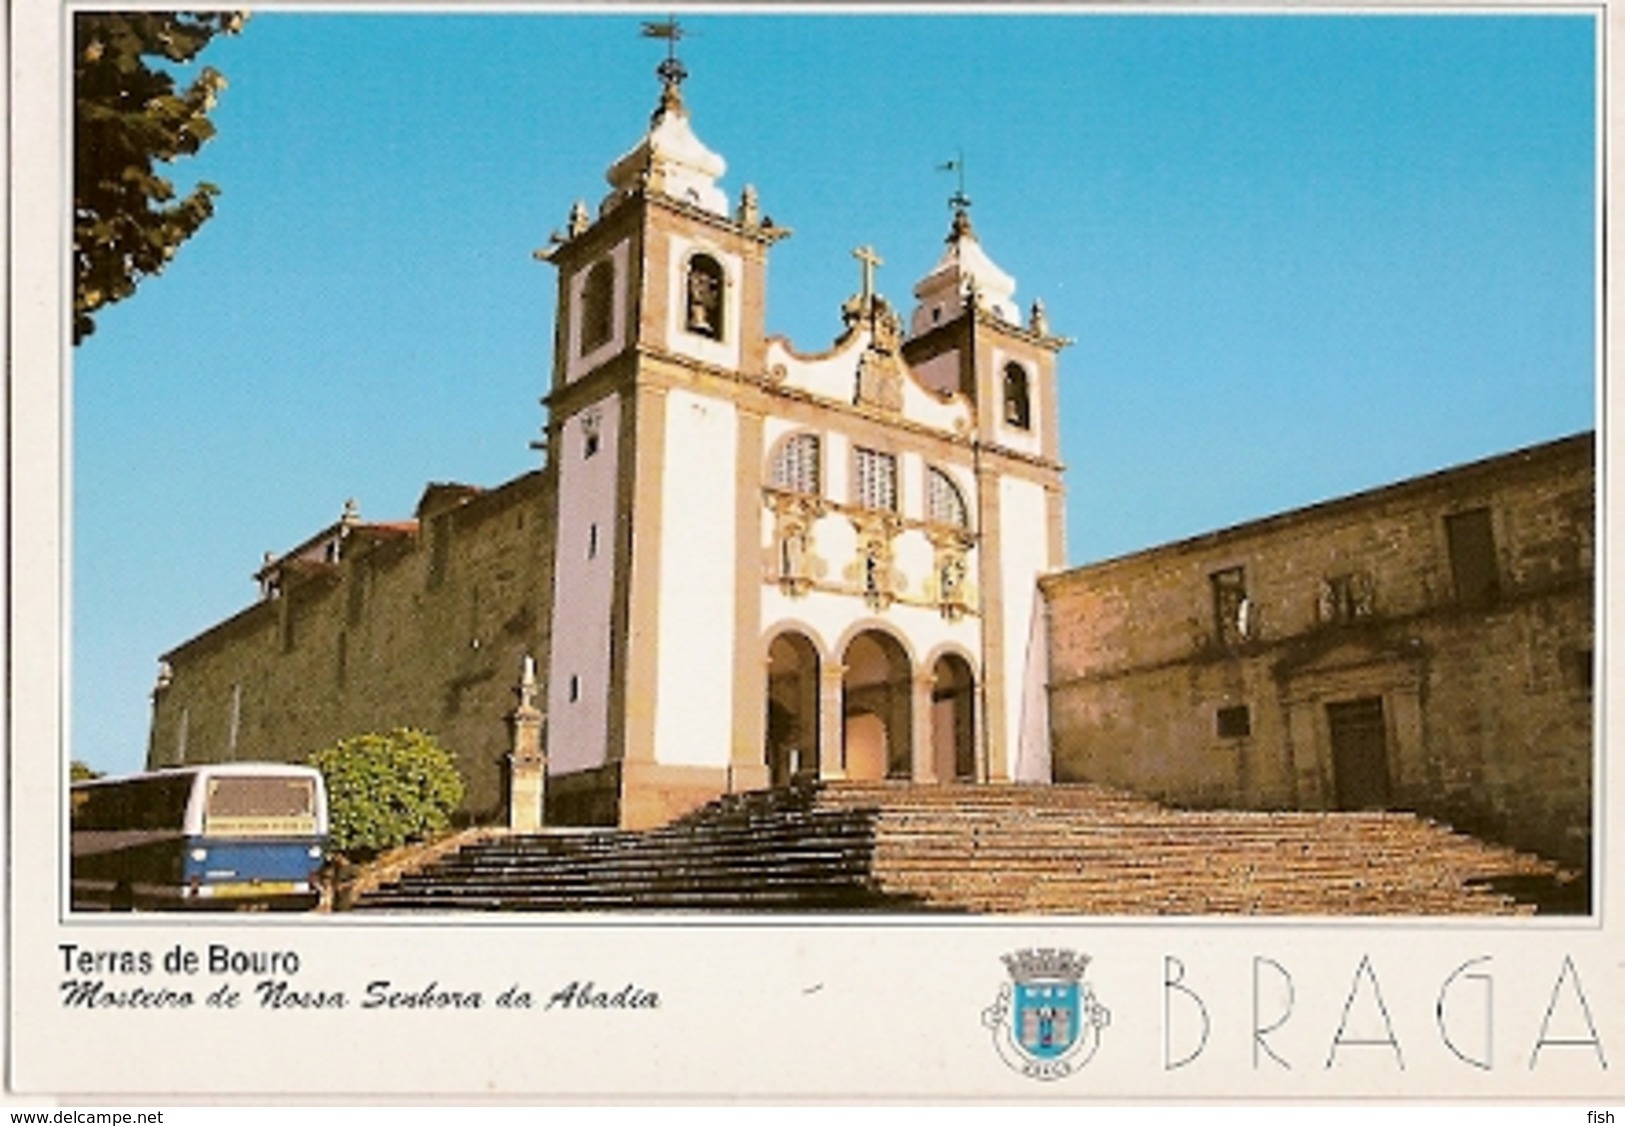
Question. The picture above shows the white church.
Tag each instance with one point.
(852, 536)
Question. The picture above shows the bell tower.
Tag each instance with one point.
(966, 334)
(659, 325)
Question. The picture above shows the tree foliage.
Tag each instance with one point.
(129, 116)
(82, 772)
(385, 790)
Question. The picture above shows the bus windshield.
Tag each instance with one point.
(259, 806)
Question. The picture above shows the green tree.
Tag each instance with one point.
(81, 772)
(386, 790)
(129, 116)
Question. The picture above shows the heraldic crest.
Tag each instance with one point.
(1046, 1022)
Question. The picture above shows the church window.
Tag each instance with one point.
(597, 306)
(876, 480)
(591, 426)
(1234, 722)
(944, 503)
(704, 297)
(1232, 610)
(1018, 410)
(575, 689)
(592, 542)
(796, 465)
(1472, 556)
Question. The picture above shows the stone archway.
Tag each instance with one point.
(953, 719)
(877, 708)
(791, 745)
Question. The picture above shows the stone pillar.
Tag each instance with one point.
(831, 729)
(923, 729)
(527, 762)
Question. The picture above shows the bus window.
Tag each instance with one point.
(248, 806)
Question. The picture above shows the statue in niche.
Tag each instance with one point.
(877, 591)
(796, 565)
(952, 575)
(871, 572)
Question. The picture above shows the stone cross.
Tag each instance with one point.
(867, 255)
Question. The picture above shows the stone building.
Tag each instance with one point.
(1426, 646)
(739, 564)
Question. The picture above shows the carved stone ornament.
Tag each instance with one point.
(579, 221)
(750, 208)
(1345, 598)
(795, 564)
(872, 571)
(880, 381)
(950, 582)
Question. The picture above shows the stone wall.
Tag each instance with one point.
(422, 625)
(1163, 682)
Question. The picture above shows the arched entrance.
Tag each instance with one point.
(876, 707)
(792, 709)
(953, 719)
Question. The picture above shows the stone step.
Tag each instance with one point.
(1002, 847)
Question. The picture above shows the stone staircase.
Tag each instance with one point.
(1065, 849)
(768, 856)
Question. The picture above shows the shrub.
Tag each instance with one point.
(385, 790)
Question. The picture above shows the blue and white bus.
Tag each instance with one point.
(224, 836)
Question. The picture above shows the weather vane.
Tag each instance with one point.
(959, 201)
(671, 69)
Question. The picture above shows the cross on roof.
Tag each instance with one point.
(959, 201)
(867, 255)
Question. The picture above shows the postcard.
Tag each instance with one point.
(796, 553)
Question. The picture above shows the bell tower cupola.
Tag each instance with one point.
(964, 274)
(670, 160)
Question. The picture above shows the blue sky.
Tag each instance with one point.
(1300, 255)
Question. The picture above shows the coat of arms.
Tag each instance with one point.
(1046, 1022)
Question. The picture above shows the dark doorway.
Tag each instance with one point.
(1359, 753)
(953, 696)
(792, 709)
(877, 708)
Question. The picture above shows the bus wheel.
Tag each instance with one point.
(123, 898)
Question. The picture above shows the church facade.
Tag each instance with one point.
(740, 564)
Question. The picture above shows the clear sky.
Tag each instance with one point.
(1300, 255)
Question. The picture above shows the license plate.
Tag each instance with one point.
(267, 887)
